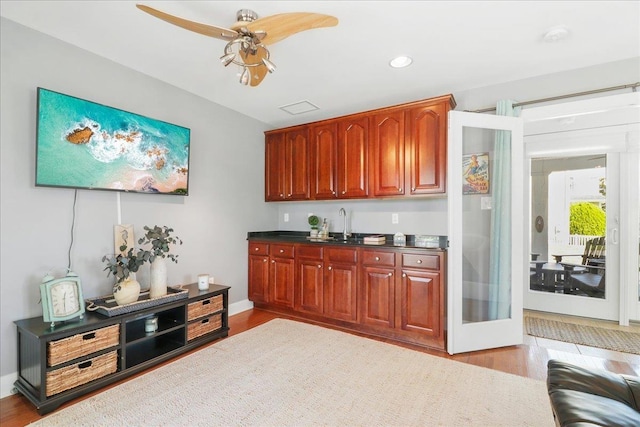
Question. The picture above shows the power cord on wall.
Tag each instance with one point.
(73, 224)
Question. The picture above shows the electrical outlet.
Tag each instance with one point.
(394, 218)
(286, 217)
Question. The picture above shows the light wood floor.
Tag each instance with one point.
(527, 360)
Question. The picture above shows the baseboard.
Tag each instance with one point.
(6, 381)
(6, 384)
(240, 306)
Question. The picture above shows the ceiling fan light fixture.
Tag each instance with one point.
(400, 62)
(245, 77)
(228, 58)
(270, 65)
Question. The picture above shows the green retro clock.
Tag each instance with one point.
(61, 298)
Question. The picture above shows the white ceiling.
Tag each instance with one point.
(455, 45)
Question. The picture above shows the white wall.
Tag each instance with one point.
(226, 182)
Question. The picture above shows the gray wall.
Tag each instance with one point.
(226, 182)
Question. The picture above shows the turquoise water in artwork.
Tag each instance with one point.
(82, 144)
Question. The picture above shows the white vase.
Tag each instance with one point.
(158, 285)
(129, 292)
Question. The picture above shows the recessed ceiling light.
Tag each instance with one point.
(556, 34)
(400, 62)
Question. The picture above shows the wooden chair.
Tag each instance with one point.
(594, 249)
(591, 282)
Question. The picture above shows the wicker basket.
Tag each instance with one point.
(204, 326)
(204, 307)
(81, 373)
(79, 345)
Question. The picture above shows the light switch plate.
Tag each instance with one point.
(394, 218)
(286, 217)
(485, 203)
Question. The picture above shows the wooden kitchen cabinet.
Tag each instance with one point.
(340, 283)
(339, 158)
(309, 290)
(426, 147)
(392, 292)
(398, 151)
(386, 151)
(287, 165)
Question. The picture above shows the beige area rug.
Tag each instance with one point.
(287, 373)
(610, 339)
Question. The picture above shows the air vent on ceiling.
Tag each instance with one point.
(299, 108)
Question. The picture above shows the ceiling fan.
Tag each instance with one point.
(248, 38)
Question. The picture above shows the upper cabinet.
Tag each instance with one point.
(398, 151)
(287, 165)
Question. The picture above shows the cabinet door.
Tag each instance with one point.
(427, 145)
(324, 150)
(377, 297)
(259, 278)
(353, 160)
(387, 154)
(297, 165)
(340, 292)
(281, 279)
(420, 302)
(309, 292)
(274, 175)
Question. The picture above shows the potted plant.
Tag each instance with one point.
(160, 239)
(126, 289)
(313, 222)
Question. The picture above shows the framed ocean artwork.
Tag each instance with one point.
(82, 144)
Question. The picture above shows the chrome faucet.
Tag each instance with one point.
(345, 235)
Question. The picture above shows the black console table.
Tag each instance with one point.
(73, 358)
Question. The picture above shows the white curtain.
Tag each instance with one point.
(500, 280)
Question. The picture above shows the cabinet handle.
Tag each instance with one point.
(330, 268)
(281, 195)
(319, 265)
(204, 321)
(413, 188)
(90, 336)
(390, 274)
(205, 302)
(273, 261)
(404, 274)
(256, 249)
(343, 191)
(400, 189)
(333, 192)
(281, 250)
(85, 365)
(377, 258)
(289, 195)
(419, 261)
(264, 260)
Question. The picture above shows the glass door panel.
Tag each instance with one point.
(486, 213)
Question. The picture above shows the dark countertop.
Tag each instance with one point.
(356, 239)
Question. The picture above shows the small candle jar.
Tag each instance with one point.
(151, 324)
(203, 282)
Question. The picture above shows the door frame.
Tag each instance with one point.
(588, 120)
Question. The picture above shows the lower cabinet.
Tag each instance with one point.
(396, 293)
(76, 357)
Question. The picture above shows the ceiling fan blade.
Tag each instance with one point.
(257, 73)
(204, 29)
(281, 26)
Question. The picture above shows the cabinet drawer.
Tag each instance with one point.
(387, 259)
(204, 326)
(83, 372)
(79, 345)
(309, 252)
(342, 255)
(204, 307)
(431, 262)
(282, 251)
(258, 248)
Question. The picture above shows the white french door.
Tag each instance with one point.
(484, 275)
(606, 127)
